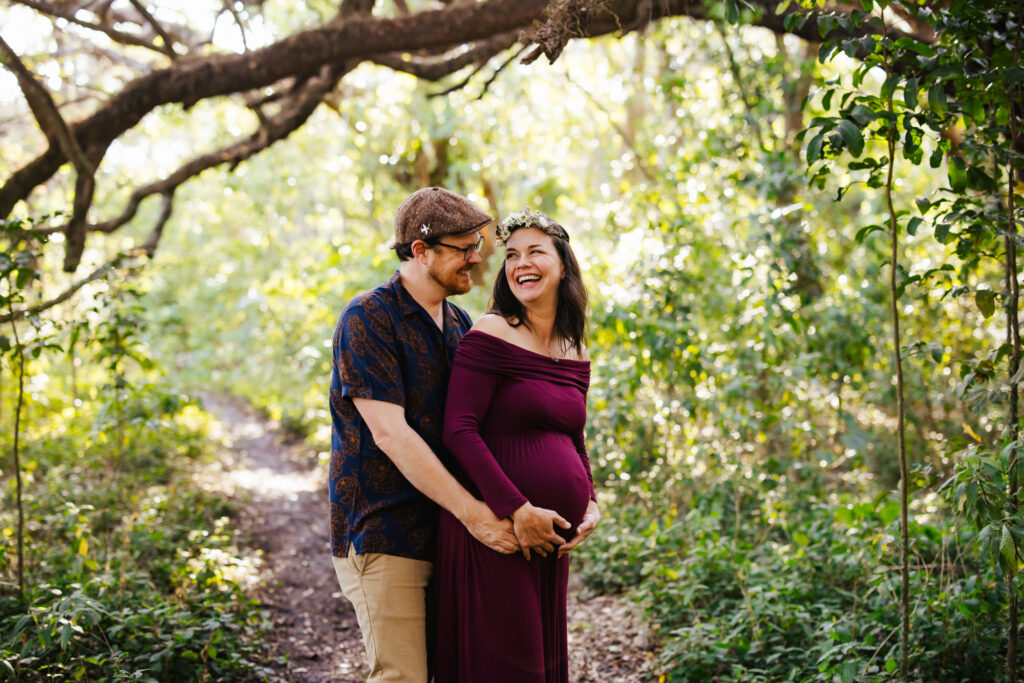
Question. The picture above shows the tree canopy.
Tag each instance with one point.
(281, 77)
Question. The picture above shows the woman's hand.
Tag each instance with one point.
(591, 518)
(535, 529)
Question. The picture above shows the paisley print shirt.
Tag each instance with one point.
(387, 348)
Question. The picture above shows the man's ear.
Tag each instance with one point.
(418, 247)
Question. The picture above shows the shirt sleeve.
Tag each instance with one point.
(365, 354)
(469, 396)
(581, 448)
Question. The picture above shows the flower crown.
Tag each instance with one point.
(528, 218)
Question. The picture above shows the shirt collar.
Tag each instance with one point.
(406, 304)
(409, 306)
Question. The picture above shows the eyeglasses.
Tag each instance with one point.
(467, 252)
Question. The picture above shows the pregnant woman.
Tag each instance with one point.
(514, 422)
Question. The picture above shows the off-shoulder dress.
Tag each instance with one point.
(514, 423)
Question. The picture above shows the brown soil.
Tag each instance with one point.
(281, 485)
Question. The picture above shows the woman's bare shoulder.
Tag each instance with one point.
(494, 325)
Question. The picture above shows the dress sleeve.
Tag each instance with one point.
(469, 396)
(365, 355)
(581, 448)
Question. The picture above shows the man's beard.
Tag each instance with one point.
(450, 280)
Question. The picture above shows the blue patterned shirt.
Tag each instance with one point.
(387, 348)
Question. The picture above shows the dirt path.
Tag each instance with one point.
(284, 516)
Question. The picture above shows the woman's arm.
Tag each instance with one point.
(469, 396)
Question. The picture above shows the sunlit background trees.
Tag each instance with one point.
(728, 195)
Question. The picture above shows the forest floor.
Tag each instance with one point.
(281, 489)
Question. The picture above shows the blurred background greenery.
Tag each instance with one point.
(742, 414)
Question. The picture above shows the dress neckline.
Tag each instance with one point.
(531, 352)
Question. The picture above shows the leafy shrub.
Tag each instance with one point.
(132, 570)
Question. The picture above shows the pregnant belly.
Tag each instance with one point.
(546, 468)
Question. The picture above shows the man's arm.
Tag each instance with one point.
(417, 463)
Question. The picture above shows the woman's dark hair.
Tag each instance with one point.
(571, 314)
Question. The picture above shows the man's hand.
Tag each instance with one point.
(496, 534)
(535, 529)
(591, 518)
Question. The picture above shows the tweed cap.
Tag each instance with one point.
(434, 212)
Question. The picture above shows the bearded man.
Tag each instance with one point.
(393, 350)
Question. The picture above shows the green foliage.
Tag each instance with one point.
(741, 410)
(132, 569)
(139, 574)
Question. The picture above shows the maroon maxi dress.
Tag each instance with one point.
(514, 422)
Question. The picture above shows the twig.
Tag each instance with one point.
(494, 76)
(118, 36)
(230, 7)
(65, 295)
(441, 66)
(168, 42)
(626, 137)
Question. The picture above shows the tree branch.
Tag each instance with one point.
(112, 33)
(229, 6)
(440, 66)
(168, 41)
(67, 293)
(59, 135)
(350, 41)
(275, 128)
(501, 67)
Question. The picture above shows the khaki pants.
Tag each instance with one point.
(389, 594)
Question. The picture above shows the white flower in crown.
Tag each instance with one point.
(522, 219)
(425, 229)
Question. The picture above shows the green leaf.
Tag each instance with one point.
(889, 87)
(5, 343)
(910, 93)
(852, 136)
(937, 99)
(862, 115)
(23, 277)
(867, 230)
(849, 672)
(826, 24)
(826, 101)
(986, 301)
(913, 225)
(732, 11)
(923, 204)
(1007, 550)
(890, 665)
(65, 633)
(977, 179)
(923, 49)
(814, 148)
(957, 175)
(1013, 75)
